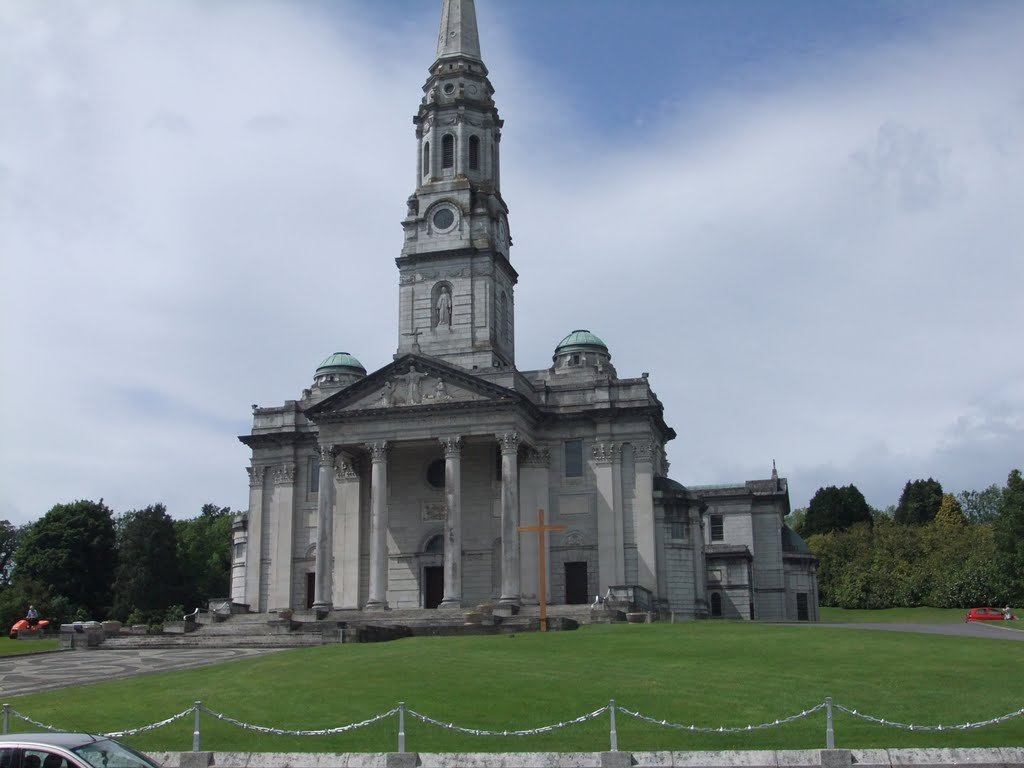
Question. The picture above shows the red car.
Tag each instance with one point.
(987, 614)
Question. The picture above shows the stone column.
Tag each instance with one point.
(347, 549)
(452, 523)
(323, 581)
(608, 556)
(254, 534)
(378, 597)
(643, 507)
(534, 496)
(510, 590)
(281, 538)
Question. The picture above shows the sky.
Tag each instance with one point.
(805, 220)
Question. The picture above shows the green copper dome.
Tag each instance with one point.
(340, 360)
(580, 338)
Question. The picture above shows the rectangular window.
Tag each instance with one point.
(802, 612)
(677, 529)
(574, 458)
(717, 528)
(313, 484)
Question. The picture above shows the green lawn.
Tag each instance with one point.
(894, 616)
(706, 673)
(10, 647)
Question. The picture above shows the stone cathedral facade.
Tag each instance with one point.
(405, 487)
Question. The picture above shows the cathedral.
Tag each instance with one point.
(407, 487)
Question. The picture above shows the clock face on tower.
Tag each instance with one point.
(444, 218)
(502, 233)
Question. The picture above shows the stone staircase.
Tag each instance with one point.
(302, 629)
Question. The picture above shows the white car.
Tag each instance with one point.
(68, 750)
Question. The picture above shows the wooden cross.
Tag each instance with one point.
(540, 530)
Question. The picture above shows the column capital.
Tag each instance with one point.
(378, 451)
(607, 453)
(326, 455)
(284, 474)
(645, 450)
(452, 447)
(509, 442)
(255, 476)
(537, 458)
(345, 468)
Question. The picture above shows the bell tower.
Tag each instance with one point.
(455, 278)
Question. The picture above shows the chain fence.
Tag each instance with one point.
(611, 708)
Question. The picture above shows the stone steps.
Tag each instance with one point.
(268, 630)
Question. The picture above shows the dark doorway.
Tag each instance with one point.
(576, 591)
(716, 605)
(310, 589)
(802, 611)
(433, 586)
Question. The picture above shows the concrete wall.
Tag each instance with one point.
(1004, 757)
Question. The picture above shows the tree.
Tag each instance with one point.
(835, 509)
(148, 577)
(919, 502)
(204, 552)
(70, 552)
(981, 506)
(8, 545)
(795, 520)
(950, 514)
(1009, 532)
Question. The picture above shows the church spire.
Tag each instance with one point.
(456, 282)
(458, 35)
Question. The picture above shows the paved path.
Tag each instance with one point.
(45, 671)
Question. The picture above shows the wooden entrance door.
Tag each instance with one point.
(576, 592)
(433, 585)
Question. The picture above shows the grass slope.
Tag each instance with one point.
(707, 673)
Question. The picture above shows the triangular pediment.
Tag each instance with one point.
(412, 381)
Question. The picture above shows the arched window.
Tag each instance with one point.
(474, 153)
(435, 546)
(716, 604)
(426, 158)
(448, 151)
(503, 331)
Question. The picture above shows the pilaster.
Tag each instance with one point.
(345, 579)
(254, 536)
(282, 537)
(609, 553)
(534, 495)
(643, 505)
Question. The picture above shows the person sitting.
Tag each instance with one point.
(31, 761)
(32, 617)
(53, 761)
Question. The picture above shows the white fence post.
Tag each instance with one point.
(830, 734)
(195, 729)
(401, 726)
(7, 718)
(614, 733)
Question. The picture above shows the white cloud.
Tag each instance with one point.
(204, 202)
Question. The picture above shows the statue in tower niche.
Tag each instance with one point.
(444, 307)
